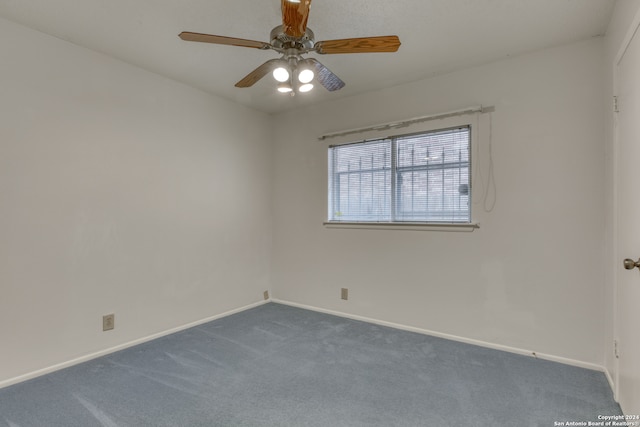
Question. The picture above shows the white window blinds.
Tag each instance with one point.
(414, 178)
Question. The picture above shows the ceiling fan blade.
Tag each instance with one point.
(251, 78)
(359, 45)
(294, 17)
(330, 81)
(231, 41)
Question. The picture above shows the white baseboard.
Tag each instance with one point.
(550, 357)
(612, 383)
(110, 350)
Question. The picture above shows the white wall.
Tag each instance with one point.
(532, 277)
(120, 192)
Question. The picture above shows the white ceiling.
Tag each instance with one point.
(437, 36)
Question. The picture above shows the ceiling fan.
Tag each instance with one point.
(293, 39)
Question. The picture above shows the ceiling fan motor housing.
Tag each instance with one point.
(281, 40)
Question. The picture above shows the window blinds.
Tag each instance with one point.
(413, 178)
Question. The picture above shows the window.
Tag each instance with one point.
(422, 178)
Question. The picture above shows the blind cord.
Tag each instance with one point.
(477, 164)
(491, 182)
(488, 191)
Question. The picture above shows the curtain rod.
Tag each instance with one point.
(404, 123)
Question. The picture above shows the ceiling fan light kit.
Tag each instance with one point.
(293, 39)
(294, 70)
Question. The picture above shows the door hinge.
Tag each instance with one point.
(615, 349)
(615, 105)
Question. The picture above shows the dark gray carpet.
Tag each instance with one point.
(281, 366)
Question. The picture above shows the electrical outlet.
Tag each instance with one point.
(108, 322)
(344, 293)
(266, 295)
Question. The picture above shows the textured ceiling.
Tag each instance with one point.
(437, 36)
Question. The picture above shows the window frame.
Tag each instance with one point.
(403, 225)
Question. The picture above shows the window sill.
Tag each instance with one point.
(415, 226)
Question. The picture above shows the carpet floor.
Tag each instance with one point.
(276, 365)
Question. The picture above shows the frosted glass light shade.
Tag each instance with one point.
(281, 74)
(305, 75)
(305, 87)
(284, 88)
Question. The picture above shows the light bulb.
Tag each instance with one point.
(305, 87)
(305, 75)
(281, 74)
(284, 88)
